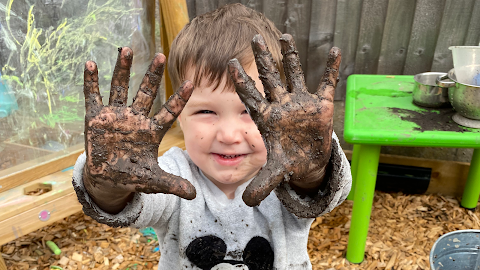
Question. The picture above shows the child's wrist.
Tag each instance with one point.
(109, 200)
(310, 183)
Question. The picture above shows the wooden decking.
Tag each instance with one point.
(21, 214)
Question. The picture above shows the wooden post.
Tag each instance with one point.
(173, 17)
(3, 266)
(150, 18)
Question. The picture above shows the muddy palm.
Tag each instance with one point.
(121, 141)
(296, 125)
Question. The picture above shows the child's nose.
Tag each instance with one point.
(229, 132)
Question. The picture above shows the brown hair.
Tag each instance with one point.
(210, 40)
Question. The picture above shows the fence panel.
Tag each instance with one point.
(369, 45)
(253, 4)
(347, 25)
(204, 6)
(396, 36)
(453, 30)
(275, 11)
(297, 24)
(375, 36)
(322, 30)
(473, 37)
(423, 39)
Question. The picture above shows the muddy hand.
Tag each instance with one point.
(296, 126)
(121, 141)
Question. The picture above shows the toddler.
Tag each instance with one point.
(250, 127)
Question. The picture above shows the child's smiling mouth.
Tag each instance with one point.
(228, 160)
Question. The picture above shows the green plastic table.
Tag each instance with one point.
(379, 111)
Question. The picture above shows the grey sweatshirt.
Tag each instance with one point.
(214, 232)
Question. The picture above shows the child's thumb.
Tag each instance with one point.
(163, 182)
(266, 180)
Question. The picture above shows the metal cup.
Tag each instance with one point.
(427, 93)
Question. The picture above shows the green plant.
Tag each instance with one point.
(45, 67)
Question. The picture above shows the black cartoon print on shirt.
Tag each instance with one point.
(208, 251)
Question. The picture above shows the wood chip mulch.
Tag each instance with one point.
(403, 229)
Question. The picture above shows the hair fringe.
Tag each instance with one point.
(210, 40)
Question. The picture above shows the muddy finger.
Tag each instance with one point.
(291, 65)
(268, 179)
(148, 88)
(174, 106)
(267, 69)
(328, 83)
(93, 100)
(163, 182)
(254, 102)
(121, 78)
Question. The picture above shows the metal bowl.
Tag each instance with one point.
(427, 93)
(465, 98)
(456, 250)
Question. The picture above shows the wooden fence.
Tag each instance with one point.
(375, 36)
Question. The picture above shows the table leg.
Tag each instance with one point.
(353, 168)
(471, 191)
(363, 199)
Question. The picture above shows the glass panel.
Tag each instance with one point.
(44, 45)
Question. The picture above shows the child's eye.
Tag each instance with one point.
(245, 112)
(204, 112)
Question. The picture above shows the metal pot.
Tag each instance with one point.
(465, 98)
(427, 93)
(456, 250)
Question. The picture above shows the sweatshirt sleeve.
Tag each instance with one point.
(338, 179)
(143, 211)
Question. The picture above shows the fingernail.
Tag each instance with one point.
(234, 67)
(90, 66)
(187, 90)
(234, 62)
(258, 40)
(126, 52)
(287, 44)
(159, 62)
(335, 51)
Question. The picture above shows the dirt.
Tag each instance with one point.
(296, 125)
(401, 234)
(37, 192)
(323, 198)
(433, 119)
(122, 142)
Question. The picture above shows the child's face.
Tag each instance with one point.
(220, 137)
